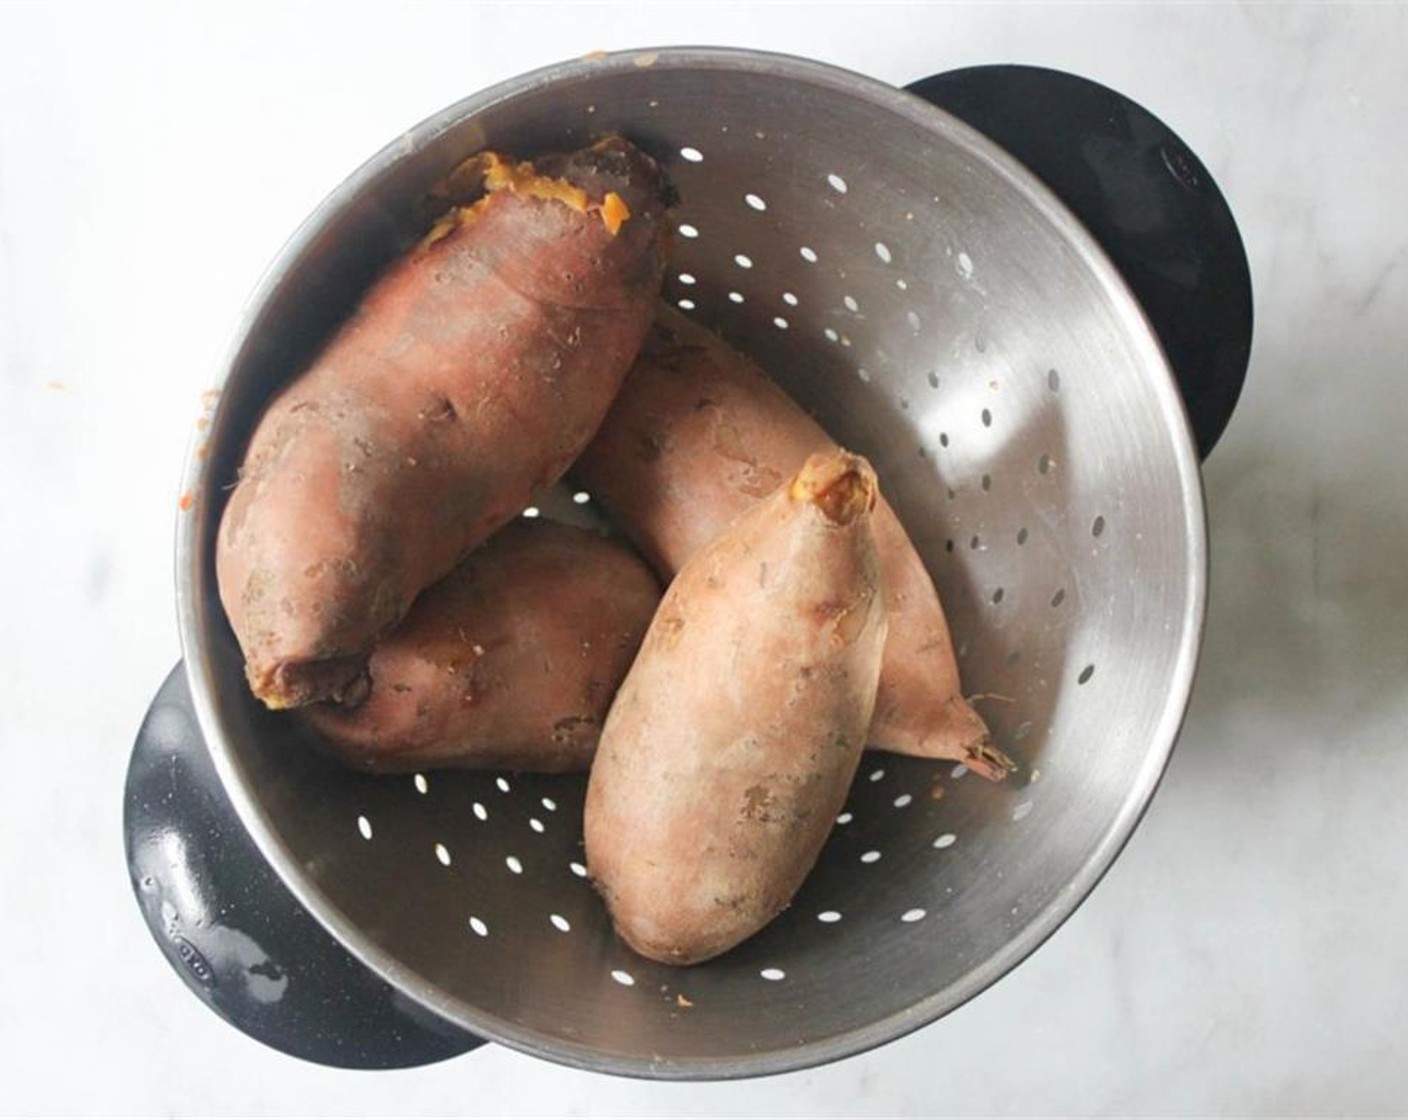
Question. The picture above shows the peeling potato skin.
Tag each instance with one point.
(470, 376)
(733, 740)
(697, 437)
(510, 662)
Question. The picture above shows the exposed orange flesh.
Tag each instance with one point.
(614, 212)
(520, 178)
(839, 486)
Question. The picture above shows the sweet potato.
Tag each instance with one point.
(735, 736)
(510, 662)
(698, 436)
(471, 374)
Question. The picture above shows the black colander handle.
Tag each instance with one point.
(1146, 198)
(235, 934)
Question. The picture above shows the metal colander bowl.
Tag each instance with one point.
(939, 311)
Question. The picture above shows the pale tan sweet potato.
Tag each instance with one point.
(510, 662)
(696, 438)
(470, 375)
(734, 738)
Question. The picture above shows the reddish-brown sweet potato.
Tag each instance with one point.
(510, 662)
(471, 374)
(734, 738)
(696, 438)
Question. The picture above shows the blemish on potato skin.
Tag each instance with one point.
(759, 804)
(670, 629)
(758, 480)
(650, 446)
(471, 695)
(345, 566)
(440, 410)
(570, 729)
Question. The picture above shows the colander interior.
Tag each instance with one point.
(938, 313)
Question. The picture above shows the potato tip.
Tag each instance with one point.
(840, 484)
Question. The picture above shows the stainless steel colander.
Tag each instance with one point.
(939, 311)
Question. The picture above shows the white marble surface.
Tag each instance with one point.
(1245, 955)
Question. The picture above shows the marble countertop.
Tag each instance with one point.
(1245, 955)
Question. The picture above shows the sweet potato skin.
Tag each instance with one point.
(734, 738)
(510, 662)
(696, 438)
(470, 376)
